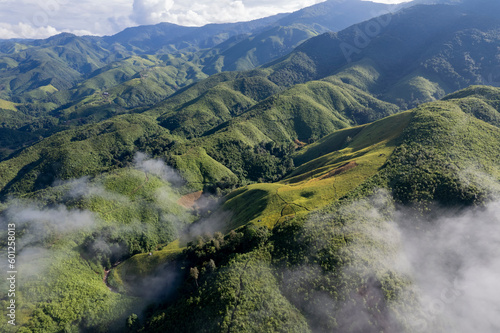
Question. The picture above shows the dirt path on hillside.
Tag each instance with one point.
(341, 169)
(106, 276)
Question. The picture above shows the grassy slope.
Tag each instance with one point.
(198, 168)
(435, 153)
(371, 147)
(383, 153)
(311, 185)
(6, 105)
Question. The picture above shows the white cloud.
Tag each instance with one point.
(390, 2)
(43, 18)
(200, 12)
(158, 168)
(25, 30)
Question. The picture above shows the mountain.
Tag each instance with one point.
(336, 15)
(273, 273)
(66, 81)
(19, 57)
(337, 259)
(332, 15)
(315, 193)
(168, 37)
(423, 53)
(247, 52)
(313, 91)
(60, 62)
(147, 38)
(408, 63)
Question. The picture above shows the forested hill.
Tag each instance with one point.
(420, 54)
(269, 255)
(416, 55)
(62, 60)
(337, 188)
(66, 80)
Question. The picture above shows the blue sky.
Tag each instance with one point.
(43, 18)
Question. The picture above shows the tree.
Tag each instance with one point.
(211, 265)
(133, 323)
(194, 273)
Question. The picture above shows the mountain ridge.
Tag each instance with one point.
(314, 193)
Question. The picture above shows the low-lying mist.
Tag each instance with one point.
(455, 263)
(447, 264)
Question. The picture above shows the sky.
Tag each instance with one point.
(44, 18)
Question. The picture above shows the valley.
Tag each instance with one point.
(255, 177)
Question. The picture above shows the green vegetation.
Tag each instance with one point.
(345, 162)
(245, 280)
(80, 229)
(6, 105)
(149, 196)
(261, 280)
(326, 261)
(64, 294)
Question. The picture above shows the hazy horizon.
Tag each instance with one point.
(36, 19)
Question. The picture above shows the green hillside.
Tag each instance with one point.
(263, 176)
(104, 82)
(65, 61)
(114, 216)
(334, 166)
(399, 69)
(437, 153)
(425, 157)
(93, 149)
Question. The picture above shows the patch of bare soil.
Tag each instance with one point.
(341, 169)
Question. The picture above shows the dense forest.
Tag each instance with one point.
(306, 172)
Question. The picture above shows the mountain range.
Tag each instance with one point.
(328, 170)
